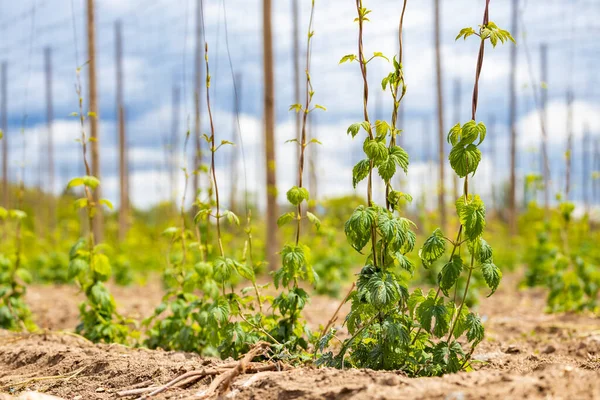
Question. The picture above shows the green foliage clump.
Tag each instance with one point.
(420, 333)
(561, 261)
(89, 265)
(14, 312)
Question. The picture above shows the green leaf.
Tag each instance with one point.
(91, 181)
(297, 195)
(433, 308)
(464, 160)
(433, 248)
(454, 135)
(475, 331)
(381, 128)
(382, 290)
(360, 171)
(24, 275)
(76, 267)
(223, 268)
(231, 217)
(492, 276)
(107, 203)
(376, 150)
(450, 273)
(472, 215)
(17, 214)
(286, 218)
(465, 33)
(101, 266)
(296, 107)
(354, 129)
(77, 248)
(358, 227)
(75, 182)
(470, 133)
(387, 168)
(313, 219)
(80, 203)
(3, 213)
(348, 58)
(400, 260)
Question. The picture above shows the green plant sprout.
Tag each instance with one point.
(89, 265)
(14, 312)
(391, 328)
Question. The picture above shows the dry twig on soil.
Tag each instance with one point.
(225, 373)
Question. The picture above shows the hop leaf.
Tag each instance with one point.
(360, 171)
(450, 273)
(433, 248)
(433, 308)
(376, 150)
(472, 215)
(313, 219)
(358, 227)
(492, 276)
(464, 160)
(475, 331)
(297, 195)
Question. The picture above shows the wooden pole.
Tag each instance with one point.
(440, 114)
(585, 168)
(296, 60)
(569, 152)
(174, 143)
(197, 100)
(4, 127)
(233, 162)
(545, 167)
(98, 227)
(272, 244)
(50, 139)
(313, 161)
(457, 118)
(512, 116)
(123, 170)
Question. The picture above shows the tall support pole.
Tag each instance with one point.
(596, 168)
(545, 166)
(585, 168)
(493, 159)
(98, 227)
(269, 117)
(440, 115)
(457, 110)
(234, 160)
(569, 152)
(123, 170)
(296, 60)
(174, 143)
(313, 162)
(512, 116)
(50, 138)
(197, 90)
(4, 127)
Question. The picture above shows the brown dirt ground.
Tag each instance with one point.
(526, 354)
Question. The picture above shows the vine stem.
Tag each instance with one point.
(213, 151)
(363, 70)
(394, 91)
(334, 317)
(302, 144)
(466, 185)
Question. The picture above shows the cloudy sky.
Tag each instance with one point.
(159, 41)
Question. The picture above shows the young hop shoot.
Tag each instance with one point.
(391, 328)
(295, 257)
(90, 266)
